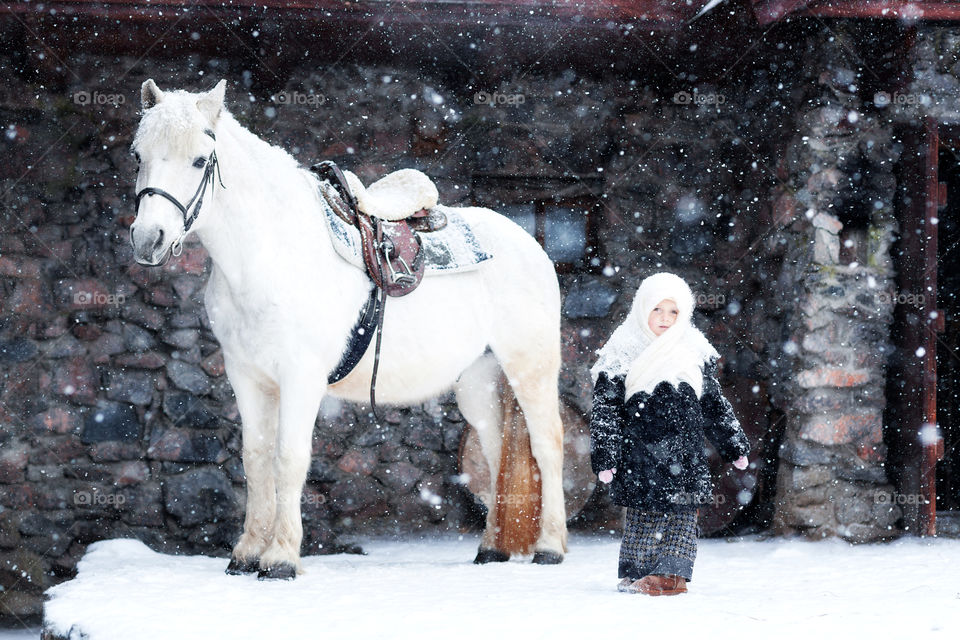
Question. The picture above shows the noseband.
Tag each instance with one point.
(189, 216)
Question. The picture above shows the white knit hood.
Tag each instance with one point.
(677, 355)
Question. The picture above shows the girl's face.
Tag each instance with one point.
(663, 316)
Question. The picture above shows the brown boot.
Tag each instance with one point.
(655, 585)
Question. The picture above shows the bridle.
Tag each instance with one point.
(189, 217)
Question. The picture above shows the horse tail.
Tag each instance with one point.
(518, 494)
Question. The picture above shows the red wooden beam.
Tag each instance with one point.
(589, 13)
(896, 9)
(768, 11)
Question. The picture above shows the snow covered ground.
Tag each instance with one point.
(428, 588)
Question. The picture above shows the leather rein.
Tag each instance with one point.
(189, 216)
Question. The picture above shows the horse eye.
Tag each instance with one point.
(199, 162)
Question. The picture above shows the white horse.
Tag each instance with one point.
(282, 303)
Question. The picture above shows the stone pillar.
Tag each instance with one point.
(832, 480)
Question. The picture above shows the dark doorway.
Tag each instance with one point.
(948, 343)
(912, 412)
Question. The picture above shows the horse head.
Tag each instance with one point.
(175, 147)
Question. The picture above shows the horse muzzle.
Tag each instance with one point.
(151, 248)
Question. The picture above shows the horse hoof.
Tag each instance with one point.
(242, 567)
(547, 557)
(282, 571)
(490, 555)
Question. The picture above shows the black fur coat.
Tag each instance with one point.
(656, 441)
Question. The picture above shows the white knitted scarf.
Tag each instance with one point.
(675, 356)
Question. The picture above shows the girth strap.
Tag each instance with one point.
(360, 337)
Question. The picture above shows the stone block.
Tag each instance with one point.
(859, 533)
(835, 377)
(142, 315)
(111, 421)
(161, 294)
(424, 434)
(805, 453)
(44, 472)
(358, 461)
(108, 344)
(322, 470)
(9, 529)
(863, 473)
(426, 459)
(355, 493)
(22, 568)
(844, 428)
(20, 267)
(822, 401)
(185, 287)
(375, 435)
(188, 377)
(141, 505)
(827, 222)
(133, 387)
(193, 260)
(826, 247)
(138, 339)
(813, 516)
(398, 476)
(65, 346)
(802, 479)
(144, 360)
(186, 410)
(213, 364)
(113, 450)
(13, 462)
(21, 604)
(182, 445)
(29, 299)
(18, 350)
(200, 495)
(77, 380)
(853, 507)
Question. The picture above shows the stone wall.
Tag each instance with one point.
(836, 206)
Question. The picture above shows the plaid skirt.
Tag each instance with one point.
(658, 543)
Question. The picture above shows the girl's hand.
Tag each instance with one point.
(741, 463)
(606, 476)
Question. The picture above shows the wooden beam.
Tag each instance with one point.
(768, 11)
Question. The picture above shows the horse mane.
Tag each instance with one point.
(176, 124)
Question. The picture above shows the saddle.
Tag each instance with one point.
(390, 214)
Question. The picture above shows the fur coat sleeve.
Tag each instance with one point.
(720, 424)
(606, 423)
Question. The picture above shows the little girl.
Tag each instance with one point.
(655, 397)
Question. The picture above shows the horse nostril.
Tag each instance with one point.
(156, 245)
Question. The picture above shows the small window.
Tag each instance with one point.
(564, 226)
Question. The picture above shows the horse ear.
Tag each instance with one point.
(211, 103)
(150, 94)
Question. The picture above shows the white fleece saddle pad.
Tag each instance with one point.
(453, 249)
(395, 196)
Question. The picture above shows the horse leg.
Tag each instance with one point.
(533, 377)
(258, 414)
(299, 404)
(478, 398)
